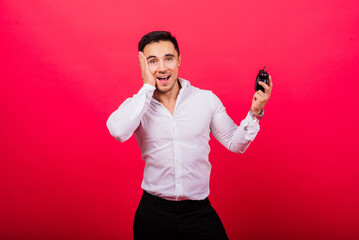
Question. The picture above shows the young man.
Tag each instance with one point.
(172, 121)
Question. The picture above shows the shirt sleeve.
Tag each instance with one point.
(235, 138)
(126, 119)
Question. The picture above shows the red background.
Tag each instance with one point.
(67, 65)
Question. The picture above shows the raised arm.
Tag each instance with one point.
(126, 119)
(238, 138)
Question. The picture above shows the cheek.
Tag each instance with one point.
(153, 68)
(173, 66)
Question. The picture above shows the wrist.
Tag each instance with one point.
(149, 83)
(256, 114)
(256, 111)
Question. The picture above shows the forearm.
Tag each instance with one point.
(126, 119)
(235, 138)
(244, 134)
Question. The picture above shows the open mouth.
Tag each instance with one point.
(164, 79)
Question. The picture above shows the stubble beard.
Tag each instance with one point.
(167, 90)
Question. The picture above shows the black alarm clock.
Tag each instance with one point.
(263, 77)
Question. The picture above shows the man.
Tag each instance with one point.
(172, 120)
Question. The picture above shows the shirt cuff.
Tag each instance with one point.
(254, 116)
(146, 88)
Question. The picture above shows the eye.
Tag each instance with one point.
(152, 61)
(169, 59)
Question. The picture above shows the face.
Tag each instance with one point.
(163, 62)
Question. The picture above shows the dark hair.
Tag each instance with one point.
(157, 36)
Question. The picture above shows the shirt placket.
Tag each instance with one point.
(176, 160)
(176, 151)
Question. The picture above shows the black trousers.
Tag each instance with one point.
(158, 218)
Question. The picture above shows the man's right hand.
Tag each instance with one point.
(147, 77)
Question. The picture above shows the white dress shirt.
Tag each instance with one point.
(175, 147)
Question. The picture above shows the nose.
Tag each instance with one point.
(162, 66)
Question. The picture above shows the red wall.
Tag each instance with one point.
(66, 65)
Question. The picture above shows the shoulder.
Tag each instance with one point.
(196, 90)
(206, 97)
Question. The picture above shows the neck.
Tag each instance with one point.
(170, 96)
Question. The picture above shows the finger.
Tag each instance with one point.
(262, 97)
(270, 82)
(260, 94)
(140, 58)
(264, 85)
(143, 62)
(143, 57)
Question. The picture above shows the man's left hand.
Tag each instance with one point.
(261, 98)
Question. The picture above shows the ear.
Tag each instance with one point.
(179, 60)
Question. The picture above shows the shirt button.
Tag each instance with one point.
(178, 182)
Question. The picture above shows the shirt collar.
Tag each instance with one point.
(184, 83)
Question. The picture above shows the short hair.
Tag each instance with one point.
(157, 36)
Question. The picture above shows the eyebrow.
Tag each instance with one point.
(167, 55)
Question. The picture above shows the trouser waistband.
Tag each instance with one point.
(154, 200)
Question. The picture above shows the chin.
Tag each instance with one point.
(163, 89)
